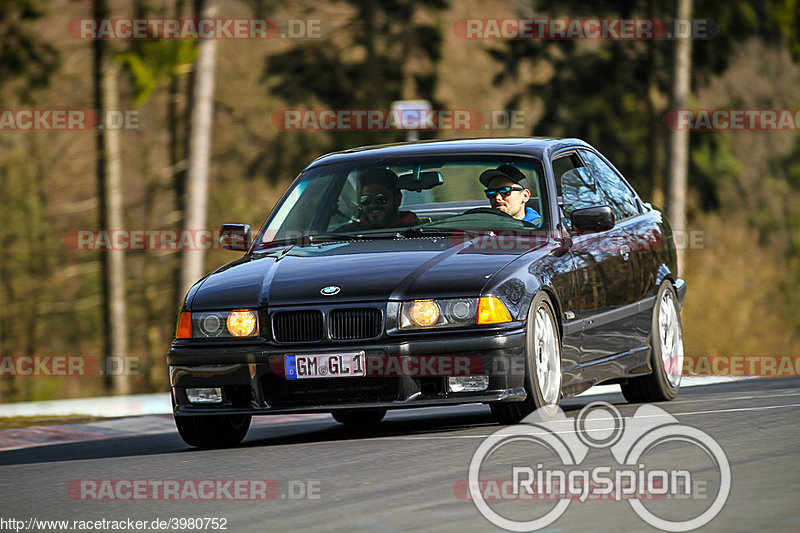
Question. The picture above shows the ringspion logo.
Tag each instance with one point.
(641, 469)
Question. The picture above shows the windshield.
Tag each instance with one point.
(436, 195)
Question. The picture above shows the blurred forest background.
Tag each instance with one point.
(743, 196)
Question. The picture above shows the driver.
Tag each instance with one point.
(507, 191)
(380, 203)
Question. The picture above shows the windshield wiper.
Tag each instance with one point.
(317, 238)
(433, 232)
(323, 237)
(306, 240)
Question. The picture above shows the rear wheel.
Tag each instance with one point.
(542, 365)
(362, 417)
(666, 353)
(213, 431)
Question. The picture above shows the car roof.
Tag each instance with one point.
(541, 147)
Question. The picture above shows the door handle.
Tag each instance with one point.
(625, 252)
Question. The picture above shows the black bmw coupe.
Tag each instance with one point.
(510, 271)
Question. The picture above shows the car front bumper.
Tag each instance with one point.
(251, 383)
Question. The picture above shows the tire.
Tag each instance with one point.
(360, 417)
(542, 365)
(666, 353)
(213, 431)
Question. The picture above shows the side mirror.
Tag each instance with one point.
(593, 218)
(235, 237)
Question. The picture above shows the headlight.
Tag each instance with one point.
(217, 324)
(450, 312)
(453, 312)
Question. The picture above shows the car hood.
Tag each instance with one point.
(362, 270)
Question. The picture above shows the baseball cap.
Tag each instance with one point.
(504, 171)
(382, 176)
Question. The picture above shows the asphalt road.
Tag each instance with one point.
(401, 474)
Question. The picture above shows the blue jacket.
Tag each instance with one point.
(532, 216)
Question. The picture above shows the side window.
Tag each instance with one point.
(616, 193)
(576, 186)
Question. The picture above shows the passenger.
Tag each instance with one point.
(380, 203)
(507, 190)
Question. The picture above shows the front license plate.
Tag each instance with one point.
(339, 365)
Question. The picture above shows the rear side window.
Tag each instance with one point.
(614, 191)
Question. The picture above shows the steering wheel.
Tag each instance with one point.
(487, 211)
(348, 218)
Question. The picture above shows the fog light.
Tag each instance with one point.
(242, 323)
(468, 383)
(424, 313)
(205, 395)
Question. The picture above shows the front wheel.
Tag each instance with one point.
(666, 353)
(213, 431)
(542, 365)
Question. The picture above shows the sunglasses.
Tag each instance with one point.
(503, 191)
(380, 199)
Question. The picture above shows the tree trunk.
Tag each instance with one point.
(374, 91)
(109, 192)
(655, 111)
(99, 11)
(178, 122)
(679, 138)
(118, 329)
(199, 149)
